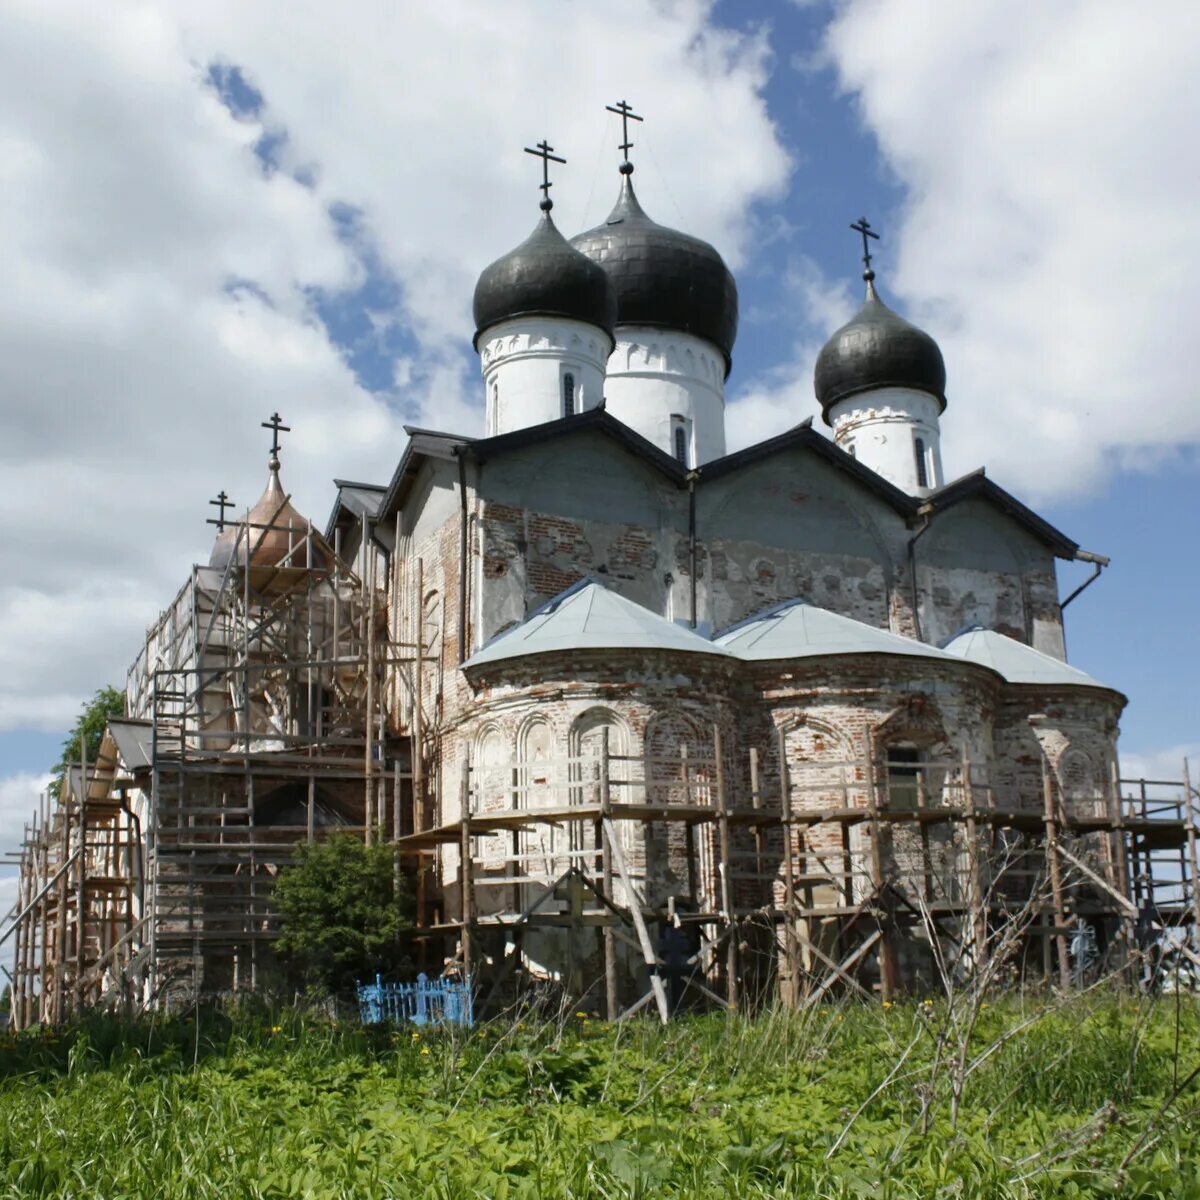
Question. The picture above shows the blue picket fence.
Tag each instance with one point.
(426, 1002)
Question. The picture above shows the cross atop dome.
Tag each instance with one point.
(276, 426)
(626, 113)
(863, 226)
(221, 503)
(545, 152)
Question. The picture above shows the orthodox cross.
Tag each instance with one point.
(626, 113)
(545, 152)
(276, 426)
(863, 226)
(221, 503)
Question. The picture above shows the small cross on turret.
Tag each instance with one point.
(221, 503)
(863, 226)
(276, 426)
(545, 152)
(626, 113)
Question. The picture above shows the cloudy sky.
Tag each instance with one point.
(211, 211)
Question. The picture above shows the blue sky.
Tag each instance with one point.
(229, 223)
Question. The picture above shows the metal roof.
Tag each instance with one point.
(1016, 662)
(976, 484)
(545, 276)
(422, 444)
(663, 278)
(794, 629)
(877, 348)
(133, 741)
(587, 616)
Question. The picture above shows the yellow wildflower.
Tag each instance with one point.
(581, 1015)
(887, 1004)
(424, 1049)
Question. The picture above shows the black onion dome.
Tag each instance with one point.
(877, 349)
(664, 278)
(545, 276)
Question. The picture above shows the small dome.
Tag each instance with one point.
(878, 349)
(663, 278)
(276, 535)
(544, 277)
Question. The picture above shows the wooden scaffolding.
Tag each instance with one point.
(263, 720)
(866, 876)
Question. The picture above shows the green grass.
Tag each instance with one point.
(252, 1105)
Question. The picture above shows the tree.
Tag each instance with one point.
(93, 717)
(343, 912)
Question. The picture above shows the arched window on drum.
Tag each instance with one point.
(1078, 781)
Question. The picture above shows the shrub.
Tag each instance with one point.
(344, 911)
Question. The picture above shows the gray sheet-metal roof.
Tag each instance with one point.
(133, 739)
(794, 629)
(360, 498)
(588, 616)
(1016, 662)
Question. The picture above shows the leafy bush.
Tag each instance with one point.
(344, 911)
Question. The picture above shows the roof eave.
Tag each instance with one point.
(977, 484)
(597, 419)
(804, 435)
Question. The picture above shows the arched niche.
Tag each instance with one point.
(586, 748)
(1079, 784)
(678, 770)
(678, 760)
(536, 750)
(820, 765)
(492, 786)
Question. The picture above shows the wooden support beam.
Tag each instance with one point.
(842, 971)
(611, 1007)
(639, 923)
(1127, 905)
(889, 971)
(837, 968)
(731, 948)
(978, 916)
(1056, 888)
(790, 956)
(467, 894)
(1191, 814)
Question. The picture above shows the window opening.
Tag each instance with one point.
(568, 395)
(853, 450)
(905, 778)
(922, 471)
(681, 445)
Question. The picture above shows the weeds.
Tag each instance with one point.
(1091, 1096)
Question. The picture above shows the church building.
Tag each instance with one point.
(648, 722)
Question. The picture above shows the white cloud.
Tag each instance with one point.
(19, 800)
(1163, 763)
(1050, 215)
(159, 283)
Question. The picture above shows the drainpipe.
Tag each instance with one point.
(135, 821)
(925, 512)
(1098, 561)
(692, 476)
(462, 555)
